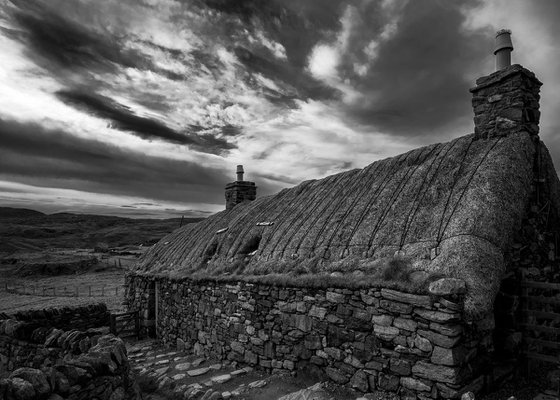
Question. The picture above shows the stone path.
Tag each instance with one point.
(191, 376)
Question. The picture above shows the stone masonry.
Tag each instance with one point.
(239, 191)
(368, 339)
(39, 362)
(506, 102)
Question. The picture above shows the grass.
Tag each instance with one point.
(351, 273)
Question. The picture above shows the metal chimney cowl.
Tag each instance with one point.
(503, 49)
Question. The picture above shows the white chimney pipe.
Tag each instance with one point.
(240, 172)
(503, 49)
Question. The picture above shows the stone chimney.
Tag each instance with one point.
(507, 100)
(240, 190)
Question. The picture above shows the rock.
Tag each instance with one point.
(399, 367)
(359, 381)
(468, 396)
(395, 306)
(336, 375)
(447, 330)
(388, 382)
(257, 384)
(302, 322)
(197, 362)
(198, 372)
(318, 312)
(406, 324)
(221, 378)
(34, 376)
(238, 372)
(415, 384)
(386, 332)
(52, 338)
(451, 357)
(177, 377)
(438, 373)
(439, 339)
(22, 389)
(353, 361)
(382, 320)
(118, 394)
(437, 316)
(183, 366)
(334, 297)
(423, 344)
(447, 286)
(180, 344)
(409, 298)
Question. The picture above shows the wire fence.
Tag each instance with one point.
(65, 291)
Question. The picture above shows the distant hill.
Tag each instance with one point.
(9, 212)
(29, 230)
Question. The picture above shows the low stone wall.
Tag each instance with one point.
(38, 361)
(369, 339)
(82, 317)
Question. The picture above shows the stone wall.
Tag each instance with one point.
(38, 361)
(82, 317)
(506, 102)
(369, 339)
(239, 191)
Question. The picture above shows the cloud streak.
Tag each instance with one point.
(160, 99)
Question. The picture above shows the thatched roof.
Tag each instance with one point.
(459, 201)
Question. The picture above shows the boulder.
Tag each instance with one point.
(22, 389)
(34, 376)
(447, 286)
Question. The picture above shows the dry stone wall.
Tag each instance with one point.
(506, 102)
(81, 318)
(369, 339)
(43, 362)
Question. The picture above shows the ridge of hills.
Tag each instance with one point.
(29, 230)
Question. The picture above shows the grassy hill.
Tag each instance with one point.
(29, 230)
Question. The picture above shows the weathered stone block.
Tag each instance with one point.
(439, 339)
(447, 286)
(409, 298)
(400, 367)
(388, 382)
(336, 375)
(382, 320)
(437, 316)
(438, 373)
(415, 384)
(386, 332)
(334, 297)
(359, 381)
(423, 344)
(406, 324)
(395, 307)
(450, 357)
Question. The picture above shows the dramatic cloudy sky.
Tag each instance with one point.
(144, 107)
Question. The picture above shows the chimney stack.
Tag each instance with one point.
(506, 101)
(240, 173)
(503, 49)
(240, 190)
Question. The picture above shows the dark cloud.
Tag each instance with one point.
(418, 82)
(35, 155)
(124, 119)
(58, 42)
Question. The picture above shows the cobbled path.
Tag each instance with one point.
(192, 376)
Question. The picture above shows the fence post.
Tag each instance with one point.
(113, 324)
(89, 290)
(103, 291)
(54, 291)
(43, 291)
(116, 291)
